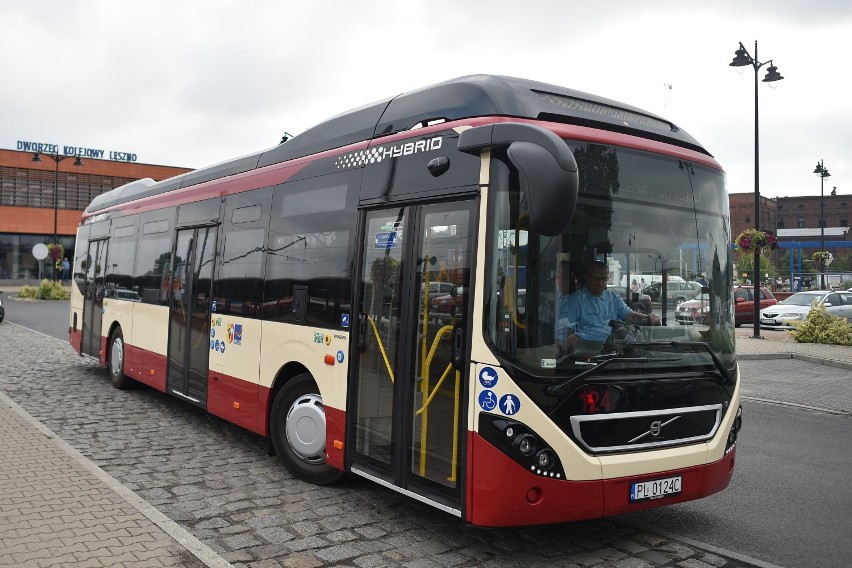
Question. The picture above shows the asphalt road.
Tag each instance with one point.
(49, 317)
(790, 499)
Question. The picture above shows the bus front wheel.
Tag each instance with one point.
(116, 361)
(297, 429)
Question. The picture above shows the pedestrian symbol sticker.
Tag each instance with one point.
(510, 404)
(487, 400)
(344, 320)
(488, 377)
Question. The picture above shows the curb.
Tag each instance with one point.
(190, 543)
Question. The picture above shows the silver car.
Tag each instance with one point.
(798, 306)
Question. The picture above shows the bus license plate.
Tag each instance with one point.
(655, 489)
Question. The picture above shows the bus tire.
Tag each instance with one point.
(297, 429)
(115, 362)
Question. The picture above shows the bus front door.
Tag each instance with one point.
(93, 298)
(407, 422)
(189, 313)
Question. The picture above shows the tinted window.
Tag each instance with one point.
(200, 211)
(311, 243)
(239, 282)
(153, 256)
(119, 265)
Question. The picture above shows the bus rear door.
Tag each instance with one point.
(93, 298)
(189, 312)
(407, 419)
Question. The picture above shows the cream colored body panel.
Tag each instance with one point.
(235, 346)
(578, 465)
(150, 330)
(120, 311)
(285, 343)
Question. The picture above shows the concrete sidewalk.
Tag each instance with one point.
(782, 346)
(59, 509)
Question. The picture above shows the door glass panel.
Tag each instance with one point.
(379, 331)
(179, 312)
(443, 275)
(94, 298)
(199, 310)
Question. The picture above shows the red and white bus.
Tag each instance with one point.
(291, 292)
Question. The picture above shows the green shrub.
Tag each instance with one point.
(822, 327)
(49, 291)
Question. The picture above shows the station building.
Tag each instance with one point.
(42, 201)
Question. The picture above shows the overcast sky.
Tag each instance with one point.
(194, 83)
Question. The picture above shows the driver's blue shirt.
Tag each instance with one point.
(589, 316)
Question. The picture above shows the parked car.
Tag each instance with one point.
(798, 306)
(744, 303)
(448, 303)
(640, 303)
(676, 291)
(695, 311)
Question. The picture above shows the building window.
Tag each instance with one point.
(801, 222)
(844, 221)
(780, 222)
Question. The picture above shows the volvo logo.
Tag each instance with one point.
(655, 430)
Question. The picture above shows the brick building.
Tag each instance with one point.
(30, 213)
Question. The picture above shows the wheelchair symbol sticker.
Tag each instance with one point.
(510, 404)
(488, 377)
(487, 400)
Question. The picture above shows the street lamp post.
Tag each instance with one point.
(741, 59)
(822, 172)
(56, 158)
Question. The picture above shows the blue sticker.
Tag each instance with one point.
(510, 404)
(487, 400)
(385, 240)
(213, 306)
(212, 344)
(212, 332)
(488, 377)
(344, 320)
(222, 347)
(217, 345)
(340, 356)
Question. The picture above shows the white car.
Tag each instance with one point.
(798, 306)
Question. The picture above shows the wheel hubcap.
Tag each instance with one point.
(116, 357)
(305, 428)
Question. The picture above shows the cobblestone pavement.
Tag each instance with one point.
(216, 481)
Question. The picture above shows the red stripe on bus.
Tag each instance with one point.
(500, 491)
(697, 482)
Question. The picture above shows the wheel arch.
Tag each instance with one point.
(287, 372)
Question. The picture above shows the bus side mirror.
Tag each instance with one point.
(551, 190)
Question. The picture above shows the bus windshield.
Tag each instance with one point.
(660, 226)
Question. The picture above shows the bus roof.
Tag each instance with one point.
(460, 98)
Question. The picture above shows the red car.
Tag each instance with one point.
(744, 303)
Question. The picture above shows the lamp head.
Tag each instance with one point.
(741, 58)
(78, 162)
(36, 157)
(772, 74)
(818, 169)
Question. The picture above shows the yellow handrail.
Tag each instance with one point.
(381, 348)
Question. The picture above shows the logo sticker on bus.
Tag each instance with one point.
(385, 240)
(510, 404)
(488, 377)
(487, 400)
(340, 356)
(377, 154)
(344, 320)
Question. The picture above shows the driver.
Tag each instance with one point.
(585, 314)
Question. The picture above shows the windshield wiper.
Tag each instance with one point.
(606, 359)
(723, 376)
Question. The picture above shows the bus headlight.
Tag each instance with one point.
(527, 444)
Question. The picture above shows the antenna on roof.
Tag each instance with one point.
(286, 137)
